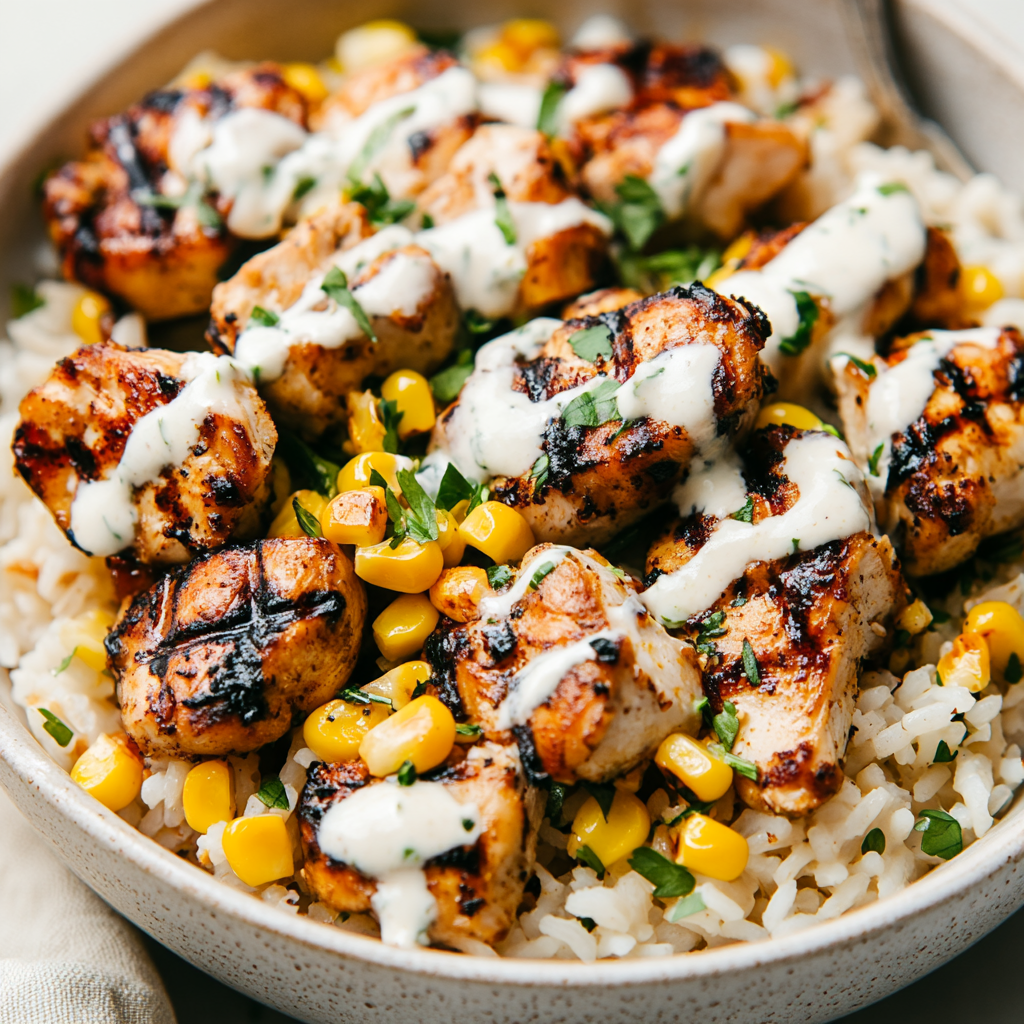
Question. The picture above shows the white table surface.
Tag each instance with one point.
(51, 43)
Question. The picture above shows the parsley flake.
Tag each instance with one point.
(892, 187)
(687, 906)
(539, 471)
(538, 576)
(637, 213)
(63, 666)
(593, 408)
(390, 416)
(556, 797)
(308, 523)
(375, 142)
(547, 117)
(264, 317)
(499, 576)
(447, 383)
(873, 459)
(807, 311)
(669, 879)
(738, 764)
(726, 724)
(376, 200)
(603, 793)
(868, 369)
(307, 467)
(942, 836)
(469, 729)
(271, 793)
(592, 343)
(874, 841)
(745, 514)
(406, 774)
(55, 728)
(750, 665)
(335, 284)
(502, 213)
(24, 299)
(943, 755)
(585, 855)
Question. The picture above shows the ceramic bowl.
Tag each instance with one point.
(321, 974)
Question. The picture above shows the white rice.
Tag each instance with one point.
(799, 872)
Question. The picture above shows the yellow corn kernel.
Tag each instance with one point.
(281, 484)
(413, 398)
(365, 428)
(501, 55)
(777, 413)
(733, 256)
(208, 796)
(422, 732)
(711, 848)
(335, 729)
(688, 759)
(358, 517)
(258, 848)
(410, 568)
(305, 79)
(398, 684)
(980, 288)
(779, 67)
(1003, 629)
(624, 830)
(498, 531)
(967, 664)
(459, 591)
(356, 472)
(85, 635)
(196, 80)
(286, 523)
(453, 544)
(401, 629)
(916, 618)
(373, 43)
(111, 771)
(87, 316)
(528, 34)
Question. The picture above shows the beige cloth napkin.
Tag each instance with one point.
(65, 956)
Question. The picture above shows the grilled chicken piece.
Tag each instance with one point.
(593, 481)
(564, 246)
(477, 888)
(810, 619)
(219, 655)
(427, 153)
(218, 442)
(756, 159)
(951, 476)
(569, 663)
(604, 300)
(121, 219)
(408, 299)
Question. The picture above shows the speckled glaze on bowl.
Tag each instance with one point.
(321, 974)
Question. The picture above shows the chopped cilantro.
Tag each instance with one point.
(336, 286)
(669, 879)
(502, 213)
(750, 665)
(687, 906)
(873, 841)
(592, 343)
(661, 270)
(308, 523)
(556, 797)
(468, 823)
(588, 922)
(24, 298)
(406, 774)
(55, 728)
(547, 118)
(419, 520)
(272, 793)
(726, 724)
(738, 602)
(264, 317)
(468, 729)
(942, 836)
(585, 855)
(539, 471)
(866, 368)
(807, 311)
(710, 629)
(1012, 673)
(538, 576)
(593, 408)
(745, 514)
(307, 468)
(476, 323)
(380, 207)
(63, 666)
(738, 764)
(447, 383)
(943, 754)
(454, 488)
(376, 141)
(390, 417)
(892, 187)
(499, 576)
(637, 213)
(419, 689)
(603, 793)
(302, 186)
(873, 459)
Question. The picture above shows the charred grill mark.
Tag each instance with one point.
(534, 378)
(419, 144)
(326, 784)
(443, 650)
(794, 767)
(533, 767)
(162, 101)
(500, 641)
(462, 858)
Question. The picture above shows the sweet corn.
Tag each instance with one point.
(358, 517)
(335, 729)
(410, 568)
(356, 472)
(916, 618)
(453, 545)
(281, 484)
(111, 771)
(398, 684)
(305, 79)
(286, 523)
(208, 796)
(258, 848)
(498, 531)
(459, 591)
(1003, 629)
(733, 256)
(85, 635)
(401, 629)
(777, 413)
(528, 34)
(711, 848)
(413, 398)
(688, 759)
(624, 830)
(422, 732)
(980, 288)
(501, 55)
(967, 664)
(87, 317)
(365, 428)
(779, 67)
(373, 43)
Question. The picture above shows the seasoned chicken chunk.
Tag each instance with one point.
(474, 890)
(782, 632)
(125, 219)
(704, 156)
(583, 439)
(162, 454)
(307, 351)
(218, 656)
(569, 663)
(507, 226)
(939, 430)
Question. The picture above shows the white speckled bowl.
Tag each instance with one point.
(321, 974)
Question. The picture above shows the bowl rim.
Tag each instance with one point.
(21, 752)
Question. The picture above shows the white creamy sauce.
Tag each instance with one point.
(500, 606)
(496, 431)
(714, 487)
(845, 256)
(829, 508)
(898, 395)
(598, 89)
(512, 102)
(686, 162)
(103, 513)
(389, 832)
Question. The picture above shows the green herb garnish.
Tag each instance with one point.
(738, 764)
(308, 523)
(390, 418)
(447, 383)
(807, 310)
(585, 855)
(547, 118)
(603, 793)
(942, 836)
(874, 841)
(892, 187)
(873, 459)
(306, 466)
(502, 213)
(499, 576)
(868, 369)
(375, 142)
(406, 774)
(750, 665)
(264, 317)
(63, 666)
(687, 906)
(593, 408)
(336, 286)
(670, 879)
(55, 728)
(538, 576)
(943, 754)
(592, 343)
(637, 213)
(380, 207)
(24, 298)
(556, 797)
(271, 793)
(539, 471)
(745, 514)
(726, 724)
(469, 729)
